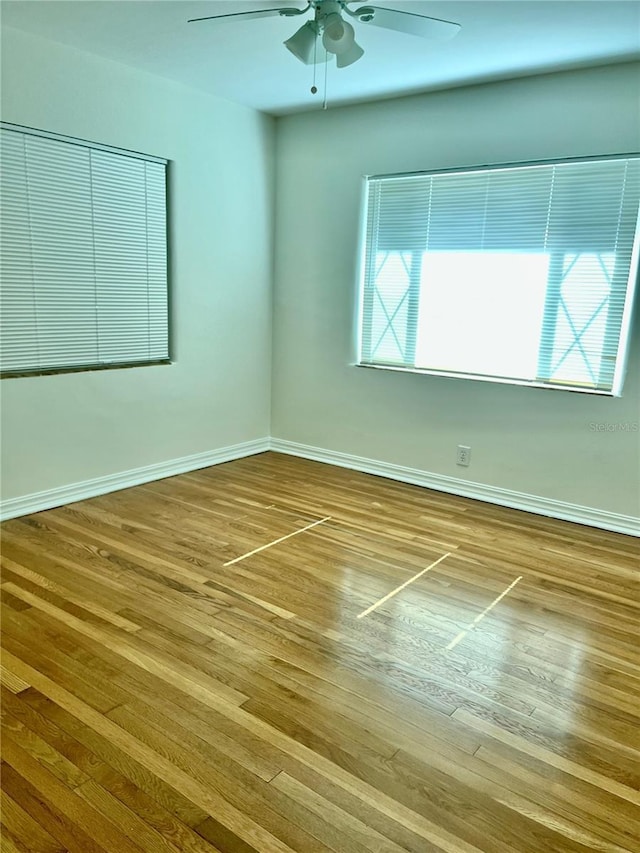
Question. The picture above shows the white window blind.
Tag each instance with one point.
(517, 273)
(82, 254)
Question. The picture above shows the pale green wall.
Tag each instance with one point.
(534, 441)
(68, 428)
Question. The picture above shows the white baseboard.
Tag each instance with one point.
(38, 501)
(590, 516)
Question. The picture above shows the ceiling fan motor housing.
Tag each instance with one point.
(337, 34)
(325, 8)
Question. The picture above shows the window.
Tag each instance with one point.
(513, 273)
(83, 255)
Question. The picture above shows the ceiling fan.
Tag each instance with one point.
(338, 35)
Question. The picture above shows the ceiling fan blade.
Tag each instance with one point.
(407, 22)
(288, 12)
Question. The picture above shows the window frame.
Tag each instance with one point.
(631, 287)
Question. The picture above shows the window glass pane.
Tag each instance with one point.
(389, 313)
(472, 317)
(581, 325)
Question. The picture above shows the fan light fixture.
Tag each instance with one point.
(351, 55)
(338, 36)
(302, 43)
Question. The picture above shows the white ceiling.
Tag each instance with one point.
(245, 61)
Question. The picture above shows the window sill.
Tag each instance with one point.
(54, 371)
(499, 380)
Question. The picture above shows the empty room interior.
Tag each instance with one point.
(320, 426)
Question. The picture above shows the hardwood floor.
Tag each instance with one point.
(160, 694)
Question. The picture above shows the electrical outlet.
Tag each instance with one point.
(463, 455)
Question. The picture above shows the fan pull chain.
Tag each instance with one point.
(314, 88)
(326, 69)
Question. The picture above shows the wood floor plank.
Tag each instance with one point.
(490, 787)
(156, 700)
(11, 681)
(68, 595)
(59, 824)
(131, 824)
(23, 829)
(64, 801)
(121, 774)
(76, 754)
(7, 844)
(522, 744)
(559, 793)
(194, 789)
(42, 751)
(240, 786)
(185, 677)
(159, 807)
